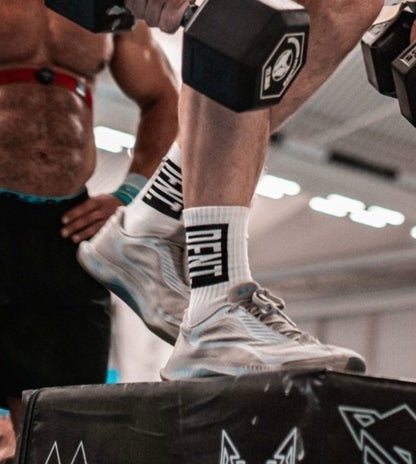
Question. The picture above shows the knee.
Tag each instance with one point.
(341, 22)
(357, 10)
(361, 13)
(362, 17)
(355, 15)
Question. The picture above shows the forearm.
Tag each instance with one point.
(157, 130)
(145, 75)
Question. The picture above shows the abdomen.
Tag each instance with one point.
(46, 140)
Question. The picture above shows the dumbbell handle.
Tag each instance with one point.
(190, 11)
(411, 5)
(187, 16)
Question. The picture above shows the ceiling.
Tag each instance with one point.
(348, 140)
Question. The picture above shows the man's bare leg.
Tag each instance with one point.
(223, 156)
(223, 151)
(15, 407)
(217, 145)
(7, 439)
(335, 28)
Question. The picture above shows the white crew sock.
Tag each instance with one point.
(216, 240)
(158, 207)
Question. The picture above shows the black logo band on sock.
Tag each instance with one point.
(165, 194)
(207, 254)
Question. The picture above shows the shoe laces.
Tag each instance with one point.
(269, 309)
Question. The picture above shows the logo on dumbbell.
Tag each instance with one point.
(282, 65)
(409, 56)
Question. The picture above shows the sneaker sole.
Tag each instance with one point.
(353, 365)
(91, 260)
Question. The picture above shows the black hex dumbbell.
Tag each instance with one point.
(95, 15)
(404, 74)
(384, 41)
(244, 54)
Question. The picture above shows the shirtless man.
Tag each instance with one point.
(231, 325)
(55, 325)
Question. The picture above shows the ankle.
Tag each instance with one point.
(216, 239)
(158, 208)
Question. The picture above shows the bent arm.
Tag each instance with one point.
(143, 72)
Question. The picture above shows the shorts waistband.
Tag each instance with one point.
(16, 211)
(36, 198)
(47, 76)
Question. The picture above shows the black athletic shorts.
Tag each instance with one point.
(54, 318)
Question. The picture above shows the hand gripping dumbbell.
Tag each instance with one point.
(384, 41)
(243, 54)
(390, 58)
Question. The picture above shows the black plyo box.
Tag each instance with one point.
(314, 417)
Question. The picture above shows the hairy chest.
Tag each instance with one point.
(32, 34)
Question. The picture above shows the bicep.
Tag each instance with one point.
(140, 67)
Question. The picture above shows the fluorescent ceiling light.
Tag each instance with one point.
(368, 218)
(341, 206)
(413, 232)
(323, 205)
(349, 204)
(394, 218)
(276, 187)
(113, 140)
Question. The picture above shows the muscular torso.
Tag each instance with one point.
(46, 137)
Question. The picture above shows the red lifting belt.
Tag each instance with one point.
(46, 76)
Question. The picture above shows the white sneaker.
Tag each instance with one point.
(250, 333)
(147, 272)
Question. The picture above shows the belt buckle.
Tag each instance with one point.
(45, 75)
